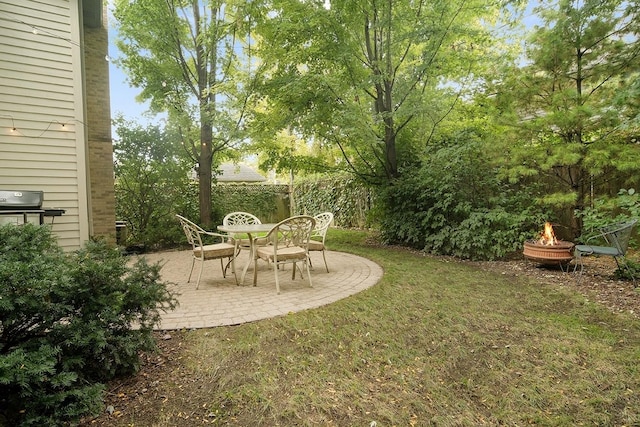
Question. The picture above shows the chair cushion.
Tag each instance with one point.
(284, 254)
(314, 245)
(598, 250)
(217, 250)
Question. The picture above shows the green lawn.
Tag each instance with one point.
(434, 343)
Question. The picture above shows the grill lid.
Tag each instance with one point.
(13, 199)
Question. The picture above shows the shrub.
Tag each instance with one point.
(69, 322)
(151, 184)
(268, 202)
(454, 204)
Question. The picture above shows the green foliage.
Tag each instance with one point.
(609, 210)
(270, 203)
(573, 103)
(186, 58)
(343, 195)
(454, 205)
(151, 183)
(69, 322)
(630, 270)
(367, 78)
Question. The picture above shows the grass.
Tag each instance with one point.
(433, 343)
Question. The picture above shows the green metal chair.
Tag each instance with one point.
(616, 236)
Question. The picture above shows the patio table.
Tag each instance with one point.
(252, 231)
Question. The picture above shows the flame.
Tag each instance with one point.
(548, 237)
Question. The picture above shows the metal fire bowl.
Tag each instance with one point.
(560, 253)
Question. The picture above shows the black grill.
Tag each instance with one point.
(23, 204)
(12, 200)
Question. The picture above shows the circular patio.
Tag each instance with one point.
(220, 302)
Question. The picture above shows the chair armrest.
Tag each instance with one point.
(262, 241)
(601, 236)
(597, 236)
(222, 237)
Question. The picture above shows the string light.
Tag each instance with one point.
(13, 125)
(38, 31)
(63, 126)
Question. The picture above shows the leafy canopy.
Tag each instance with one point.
(371, 79)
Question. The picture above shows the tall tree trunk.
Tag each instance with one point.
(206, 132)
(579, 177)
(204, 173)
(390, 148)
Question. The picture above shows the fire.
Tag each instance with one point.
(548, 237)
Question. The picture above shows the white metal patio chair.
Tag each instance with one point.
(288, 244)
(319, 235)
(243, 218)
(616, 236)
(203, 252)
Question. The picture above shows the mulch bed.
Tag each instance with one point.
(597, 282)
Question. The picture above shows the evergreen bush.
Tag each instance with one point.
(69, 322)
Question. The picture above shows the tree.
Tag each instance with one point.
(152, 182)
(373, 78)
(186, 56)
(573, 101)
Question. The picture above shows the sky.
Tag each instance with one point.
(123, 97)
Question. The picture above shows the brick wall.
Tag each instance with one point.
(100, 148)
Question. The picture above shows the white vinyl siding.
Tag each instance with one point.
(41, 96)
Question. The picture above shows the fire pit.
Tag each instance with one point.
(548, 249)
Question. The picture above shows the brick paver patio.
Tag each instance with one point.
(219, 302)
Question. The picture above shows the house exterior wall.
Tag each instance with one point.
(101, 178)
(47, 139)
